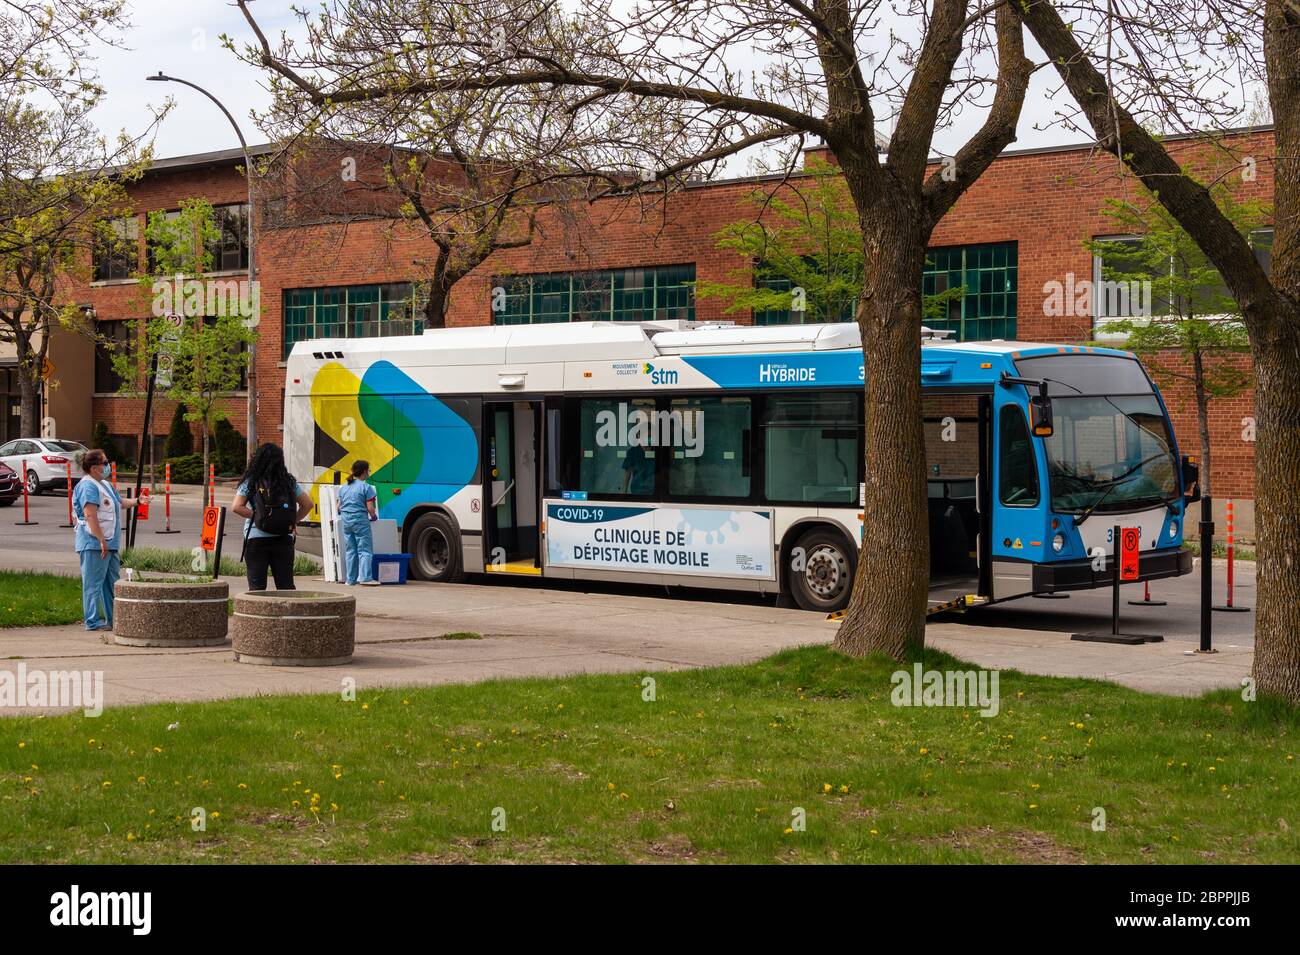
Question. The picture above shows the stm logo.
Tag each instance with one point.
(659, 376)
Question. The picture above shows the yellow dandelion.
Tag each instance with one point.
(609, 786)
(295, 804)
(106, 783)
(139, 779)
(844, 789)
(216, 815)
(1033, 805)
(130, 837)
(875, 832)
(788, 830)
(924, 751)
(334, 807)
(365, 706)
(826, 787)
(22, 745)
(243, 785)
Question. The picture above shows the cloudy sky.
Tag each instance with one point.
(182, 38)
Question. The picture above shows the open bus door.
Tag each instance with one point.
(959, 442)
(512, 445)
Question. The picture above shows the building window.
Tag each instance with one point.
(987, 309)
(113, 338)
(116, 251)
(618, 295)
(1122, 266)
(229, 251)
(353, 311)
(812, 314)
(151, 248)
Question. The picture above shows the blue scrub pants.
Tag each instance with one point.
(98, 575)
(358, 546)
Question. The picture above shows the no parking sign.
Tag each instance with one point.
(1130, 540)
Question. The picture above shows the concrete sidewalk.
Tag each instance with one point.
(532, 630)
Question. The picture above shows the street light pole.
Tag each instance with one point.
(251, 424)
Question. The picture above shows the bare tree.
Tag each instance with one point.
(1188, 64)
(664, 79)
(467, 169)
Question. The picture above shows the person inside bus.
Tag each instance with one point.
(638, 471)
(356, 511)
(98, 513)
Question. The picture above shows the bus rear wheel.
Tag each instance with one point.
(821, 571)
(435, 549)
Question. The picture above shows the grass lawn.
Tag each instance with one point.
(37, 600)
(713, 769)
(29, 599)
(167, 561)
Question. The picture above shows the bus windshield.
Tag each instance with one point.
(1110, 453)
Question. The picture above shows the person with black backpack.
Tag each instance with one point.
(272, 503)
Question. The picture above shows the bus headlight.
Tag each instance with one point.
(1173, 529)
(1058, 543)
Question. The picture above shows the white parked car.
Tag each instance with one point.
(46, 459)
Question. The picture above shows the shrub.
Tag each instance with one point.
(100, 438)
(180, 439)
(230, 450)
(187, 469)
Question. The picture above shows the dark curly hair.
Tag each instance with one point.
(266, 470)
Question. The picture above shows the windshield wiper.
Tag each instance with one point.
(1112, 484)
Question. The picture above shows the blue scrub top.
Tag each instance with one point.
(352, 500)
(88, 491)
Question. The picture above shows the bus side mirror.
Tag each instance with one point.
(1040, 409)
(1191, 479)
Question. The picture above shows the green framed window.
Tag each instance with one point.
(988, 274)
(812, 315)
(610, 295)
(351, 311)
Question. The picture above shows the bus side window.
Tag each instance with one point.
(1017, 466)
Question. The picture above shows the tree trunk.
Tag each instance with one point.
(206, 445)
(1202, 419)
(440, 283)
(1277, 498)
(29, 412)
(886, 612)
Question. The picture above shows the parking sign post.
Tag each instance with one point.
(1125, 564)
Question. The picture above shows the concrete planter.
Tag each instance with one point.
(294, 628)
(163, 613)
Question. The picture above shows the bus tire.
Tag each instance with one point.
(434, 544)
(824, 578)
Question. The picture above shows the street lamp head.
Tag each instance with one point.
(161, 77)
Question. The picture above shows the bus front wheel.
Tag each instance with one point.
(435, 549)
(820, 567)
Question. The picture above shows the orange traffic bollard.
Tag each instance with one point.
(167, 500)
(1229, 606)
(26, 517)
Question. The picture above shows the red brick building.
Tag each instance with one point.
(1022, 226)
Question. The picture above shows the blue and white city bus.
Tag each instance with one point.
(724, 456)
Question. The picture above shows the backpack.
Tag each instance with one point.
(274, 513)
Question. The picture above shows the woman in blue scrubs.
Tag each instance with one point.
(98, 511)
(356, 511)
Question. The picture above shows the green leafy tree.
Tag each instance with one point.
(806, 248)
(180, 440)
(1194, 332)
(202, 324)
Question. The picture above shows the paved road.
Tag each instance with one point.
(46, 546)
(47, 539)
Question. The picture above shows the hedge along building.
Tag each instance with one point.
(1015, 241)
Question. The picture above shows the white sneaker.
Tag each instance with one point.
(369, 583)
